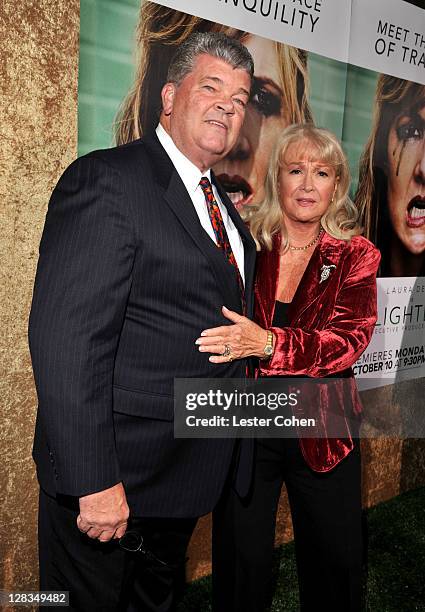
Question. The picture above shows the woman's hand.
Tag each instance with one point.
(243, 339)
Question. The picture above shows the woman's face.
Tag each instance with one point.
(306, 185)
(243, 172)
(406, 179)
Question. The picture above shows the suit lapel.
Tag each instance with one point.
(177, 198)
(174, 192)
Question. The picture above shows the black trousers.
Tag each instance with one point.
(102, 576)
(327, 520)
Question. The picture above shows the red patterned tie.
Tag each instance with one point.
(221, 234)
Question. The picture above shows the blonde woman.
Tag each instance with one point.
(278, 95)
(391, 192)
(315, 313)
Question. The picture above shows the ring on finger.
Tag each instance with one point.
(227, 352)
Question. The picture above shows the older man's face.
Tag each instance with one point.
(205, 112)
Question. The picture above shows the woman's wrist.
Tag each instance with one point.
(268, 345)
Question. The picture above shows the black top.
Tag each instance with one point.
(280, 318)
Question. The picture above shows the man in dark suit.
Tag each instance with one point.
(140, 250)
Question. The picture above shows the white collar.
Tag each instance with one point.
(188, 172)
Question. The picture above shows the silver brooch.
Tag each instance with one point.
(325, 272)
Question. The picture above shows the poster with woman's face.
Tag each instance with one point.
(392, 186)
(405, 173)
(379, 118)
(405, 151)
(375, 106)
(243, 171)
(278, 95)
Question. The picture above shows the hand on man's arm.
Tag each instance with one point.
(103, 515)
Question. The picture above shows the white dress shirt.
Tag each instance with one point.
(191, 175)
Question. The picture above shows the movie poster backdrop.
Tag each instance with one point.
(353, 66)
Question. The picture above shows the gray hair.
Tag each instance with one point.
(215, 44)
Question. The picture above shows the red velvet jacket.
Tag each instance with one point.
(331, 321)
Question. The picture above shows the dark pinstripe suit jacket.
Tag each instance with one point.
(127, 278)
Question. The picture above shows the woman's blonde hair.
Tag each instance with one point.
(341, 218)
(393, 96)
(160, 31)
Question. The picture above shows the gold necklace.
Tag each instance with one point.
(307, 246)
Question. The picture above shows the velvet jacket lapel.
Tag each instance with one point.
(327, 252)
(176, 197)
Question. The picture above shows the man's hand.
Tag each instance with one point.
(104, 515)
